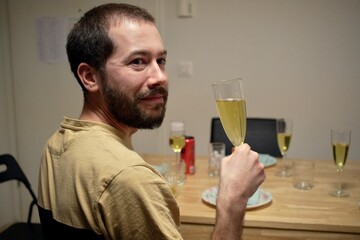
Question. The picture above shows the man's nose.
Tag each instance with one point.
(157, 75)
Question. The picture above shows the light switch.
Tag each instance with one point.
(185, 8)
(185, 69)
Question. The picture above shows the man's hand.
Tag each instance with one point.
(240, 176)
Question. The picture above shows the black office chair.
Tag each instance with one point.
(22, 230)
(55, 230)
(217, 134)
(260, 135)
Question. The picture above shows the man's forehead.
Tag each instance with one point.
(136, 36)
(133, 30)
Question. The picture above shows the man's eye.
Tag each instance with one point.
(161, 61)
(137, 61)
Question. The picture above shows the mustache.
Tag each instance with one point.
(155, 91)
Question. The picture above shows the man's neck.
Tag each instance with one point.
(89, 113)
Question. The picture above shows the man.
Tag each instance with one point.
(92, 184)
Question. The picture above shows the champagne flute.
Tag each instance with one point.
(231, 107)
(284, 133)
(177, 142)
(340, 141)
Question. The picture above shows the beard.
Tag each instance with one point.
(129, 110)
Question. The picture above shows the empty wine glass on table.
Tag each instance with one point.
(340, 141)
(284, 134)
(177, 142)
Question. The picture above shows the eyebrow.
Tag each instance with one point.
(144, 53)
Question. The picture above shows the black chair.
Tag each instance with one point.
(217, 134)
(55, 230)
(260, 135)
(21, 230)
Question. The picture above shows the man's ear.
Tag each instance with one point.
(88, 77)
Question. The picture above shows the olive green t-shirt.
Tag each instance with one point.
(90, 178)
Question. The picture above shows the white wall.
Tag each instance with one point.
(10, 197)
(298, 58)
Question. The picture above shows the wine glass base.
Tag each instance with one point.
(339, 194)
(303, 185)
(180, 182)
(285, 172)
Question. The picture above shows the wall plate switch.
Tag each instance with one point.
(185, 69)
(185, 8)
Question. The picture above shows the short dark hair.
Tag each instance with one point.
(88, 41)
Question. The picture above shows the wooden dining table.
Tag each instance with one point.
(291, 213)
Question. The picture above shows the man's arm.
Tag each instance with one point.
(241, 175)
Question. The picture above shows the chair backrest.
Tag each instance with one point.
(53, 229)
(13, 171)
(217, 134)
(260, 135)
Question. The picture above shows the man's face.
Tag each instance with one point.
(135, 87)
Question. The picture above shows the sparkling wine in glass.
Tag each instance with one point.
(340, 141)
(177, 142)
(231, 107)
(284, 134)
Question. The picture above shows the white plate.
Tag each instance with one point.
(267, 160)
(210, 195)
(160, 168)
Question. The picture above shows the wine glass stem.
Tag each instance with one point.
(284, 162)
(177, 157)
(339, 187)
